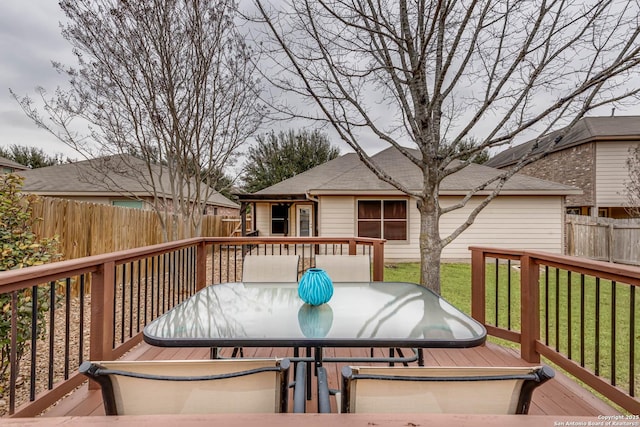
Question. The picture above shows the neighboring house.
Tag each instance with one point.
(113, 180)
(9, 166)
(592, 156)
(344, 198)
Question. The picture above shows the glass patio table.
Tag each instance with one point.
(373, 314)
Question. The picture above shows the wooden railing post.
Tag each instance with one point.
(353, 248)
(529, 309)
(101, 338)
(378, 261)
(201, 266)
(478, 303)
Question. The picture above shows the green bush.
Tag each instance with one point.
(20, 247)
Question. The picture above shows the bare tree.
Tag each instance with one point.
(167, 81)
(429, 75)
(632, 185)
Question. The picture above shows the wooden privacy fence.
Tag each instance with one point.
(604, 239)
(86, 229)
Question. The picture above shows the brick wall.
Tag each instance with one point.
(574, 166)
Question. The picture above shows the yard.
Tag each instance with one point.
(606, 307)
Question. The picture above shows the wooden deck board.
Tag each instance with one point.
(559, 397)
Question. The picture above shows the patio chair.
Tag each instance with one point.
(345, 268)
(350, 268)
(193, 386)
(270, 268)
(462, 390)
(267, 268)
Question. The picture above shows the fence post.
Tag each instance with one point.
(478, 303)
(101, 337)
(378, 261)
(529, 309)
(610, 243)
(201, 265)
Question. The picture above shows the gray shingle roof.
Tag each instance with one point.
(11, 164)
(104, 176)
(347, 174)
(587, 129)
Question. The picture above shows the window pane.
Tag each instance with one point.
(395, 230)
(369, 209)
(395, 209)
(279, 219)
(369, 229)
(279, 211)
(136, 204)
(277, 227)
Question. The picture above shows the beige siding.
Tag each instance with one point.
(336, 216)
(515, 222)
(509, 222)
(611, 172)
(263, 218)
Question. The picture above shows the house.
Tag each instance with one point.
(344, 198)
(9, 166)
(591, 156)
(114, 180)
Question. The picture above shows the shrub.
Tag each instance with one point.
(20, 247)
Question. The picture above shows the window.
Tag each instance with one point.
(385, 219)
(135, 204)
(279, 219)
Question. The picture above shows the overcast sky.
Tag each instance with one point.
(29, 40)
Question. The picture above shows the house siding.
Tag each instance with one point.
(574, 166)
(336, 216)
(513, 222)
(516, 222)
(612, 172)
(263, 218)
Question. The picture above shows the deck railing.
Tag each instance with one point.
(95, 308)
(580, 314)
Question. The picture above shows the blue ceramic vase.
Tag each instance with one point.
(315, 287)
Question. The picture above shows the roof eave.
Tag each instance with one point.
(271, 197)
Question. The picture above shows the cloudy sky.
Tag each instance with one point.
(29, 40)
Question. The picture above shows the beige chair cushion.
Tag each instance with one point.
(270, 268)
(255, 393)
(463, 397)
(345, 268)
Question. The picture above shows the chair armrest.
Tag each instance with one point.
(300, 388)
(324, 406)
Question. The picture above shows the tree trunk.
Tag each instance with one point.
(430, 244)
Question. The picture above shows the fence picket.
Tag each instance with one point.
(86, 229)
(604, 239)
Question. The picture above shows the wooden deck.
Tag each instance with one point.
(560, 397)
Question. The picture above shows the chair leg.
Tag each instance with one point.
(299, 398)
(324, 405)
(309, 373)
(237, 351)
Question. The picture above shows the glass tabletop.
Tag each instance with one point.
(384, 314)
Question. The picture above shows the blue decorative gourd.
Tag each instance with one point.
(315, 287)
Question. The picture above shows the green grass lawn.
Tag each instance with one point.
(587, 338)
(456, 281)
